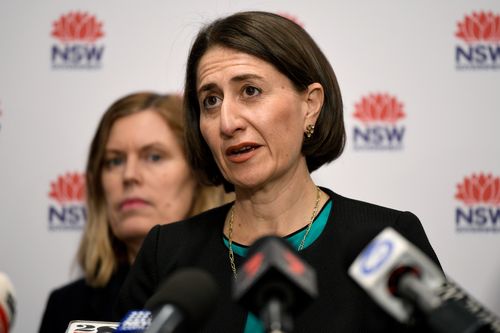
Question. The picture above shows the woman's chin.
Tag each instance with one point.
(133, 229)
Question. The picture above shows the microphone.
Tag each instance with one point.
(81, 326)
(7, 304)
(274, 283)
(403, 281)
(183, 302)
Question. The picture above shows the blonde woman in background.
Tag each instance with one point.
(137, 176)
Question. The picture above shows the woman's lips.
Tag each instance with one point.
(132, 203)
(241, 152)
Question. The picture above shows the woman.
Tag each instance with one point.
(137, 176)
(264, 111)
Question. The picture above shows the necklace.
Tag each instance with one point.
(302, 242)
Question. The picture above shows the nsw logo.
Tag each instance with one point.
(479, 34)
(77, 33)
(379, 115)
(480, 209)
(68, 210)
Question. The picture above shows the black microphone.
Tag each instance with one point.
(404, 281)
(274, 283)
(183, 302)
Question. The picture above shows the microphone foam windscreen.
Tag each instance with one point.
(192, 290)
(7, 302)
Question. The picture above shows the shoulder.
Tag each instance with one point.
(358, 206)
(61, 304)
(369, 215)
(78, 287)
(183, 238)
(81, 290)
(206, 223)
(358, 222)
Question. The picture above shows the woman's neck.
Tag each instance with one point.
(277, 209)
(132, 250)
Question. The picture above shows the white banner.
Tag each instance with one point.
(421, 89)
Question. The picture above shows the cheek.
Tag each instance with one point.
(113, 190)
(175, 180)
(287, 131)
(110, 187)
(286, 113)
(208, 132)
(212, 138)
(286, 124)
(176, 196)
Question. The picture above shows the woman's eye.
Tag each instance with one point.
(251, 91)
(211, 102)
(113, 162)
(154, 157)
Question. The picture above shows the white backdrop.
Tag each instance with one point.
(447, 89)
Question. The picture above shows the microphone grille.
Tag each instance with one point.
(192, 290)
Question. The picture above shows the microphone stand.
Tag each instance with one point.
(275, 318)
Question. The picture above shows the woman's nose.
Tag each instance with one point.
(230, 117)
(132, 171)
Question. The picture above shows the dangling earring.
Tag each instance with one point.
(309, 131)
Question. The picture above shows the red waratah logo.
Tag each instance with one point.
(480, 26)
(68, 188)
(478, 189)
(77, 26)
(379, 107)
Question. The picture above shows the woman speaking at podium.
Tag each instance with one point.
(264, 110)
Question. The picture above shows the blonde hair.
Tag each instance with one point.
(100, 253)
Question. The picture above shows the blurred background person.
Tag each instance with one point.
(264, 110)
(137, 176)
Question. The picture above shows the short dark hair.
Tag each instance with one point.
(289, 48)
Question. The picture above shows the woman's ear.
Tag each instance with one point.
(315, 98)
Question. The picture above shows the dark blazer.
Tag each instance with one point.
(342, 306)
(79, 301)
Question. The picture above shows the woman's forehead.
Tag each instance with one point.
(219, 61)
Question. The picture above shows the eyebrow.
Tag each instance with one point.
(153, 145)
(237, 78)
